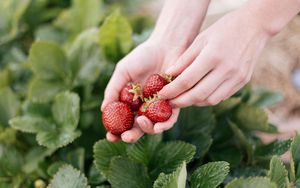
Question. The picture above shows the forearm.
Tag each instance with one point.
(272, 15)
(180, 21)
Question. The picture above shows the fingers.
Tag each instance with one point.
(202, 90)
(145, 124)
(111, 137)
(132, 135)
(118, 80)
(186, 58)
(163, 126)
(203, 64)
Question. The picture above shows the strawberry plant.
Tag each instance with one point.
(56, 58)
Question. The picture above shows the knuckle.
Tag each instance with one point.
(185, 84)
(242, 77)
(231, 69)
(212, 101)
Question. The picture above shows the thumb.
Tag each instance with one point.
(118, 80)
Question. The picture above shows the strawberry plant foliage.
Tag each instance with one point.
(56, 58)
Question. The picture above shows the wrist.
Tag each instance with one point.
(271, 16)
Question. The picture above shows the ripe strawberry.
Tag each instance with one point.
(131, 95)
(157, 110)
(154, 84)
(117, 117)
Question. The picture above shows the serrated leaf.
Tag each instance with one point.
(54, 167)
(144, 150)
(65, 110)
(245, 172)
(177, 179)
(57, 138)
(31, 124)
(4, 78)
(115, 36)
(169, 156)
(278, 173)
(104, 151)
(9, 105)
(292, 170)
(194, 126)
(264, 98)
(253, 182)
(85, 58)
(48, 61)
(126, 173)
(295, 150)
(44, 91)
(68, 177)
(251, 118)
(277, 147)
(210, 175)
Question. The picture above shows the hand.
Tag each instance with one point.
(218, 63)
(148, 58)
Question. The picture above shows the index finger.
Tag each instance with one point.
(118, 80)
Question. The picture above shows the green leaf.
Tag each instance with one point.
(82, 15)
(44, 91)
(65, 110)
(264, 98)
(76, 158)
(252, 118)
(292, 170)
(278, 173)
(104, 151)
(8, 136)
(169, 156)
(11, 12)
(4, 78)
(144, 150)
(177, 179)
(34, 157)
(48, 61)
(297, 184)
(30, 124)
(11, 161)
(68, 177)
(210, 175)
(227, 105)
(194, 126)
(126, 173)
(9, 105)
(115, 36)
(85, 58)
(243, 140)
(49, 33)
(95, 177)
(295, 150)
(278, 147)
(54, 167)
(245, 172)
(231, 154)
(253, 182)
(57, 138)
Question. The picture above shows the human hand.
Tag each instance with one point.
(218, 63)
(148, 58)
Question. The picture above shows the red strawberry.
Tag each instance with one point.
(131, 95)
(117, 117)
(156, 110)
(154, 84)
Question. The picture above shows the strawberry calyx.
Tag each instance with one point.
(136, 90)
(147, 102)
(167, 77)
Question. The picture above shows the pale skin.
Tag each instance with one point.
(210, 66)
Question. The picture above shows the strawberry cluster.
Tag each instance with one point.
(118, 117)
